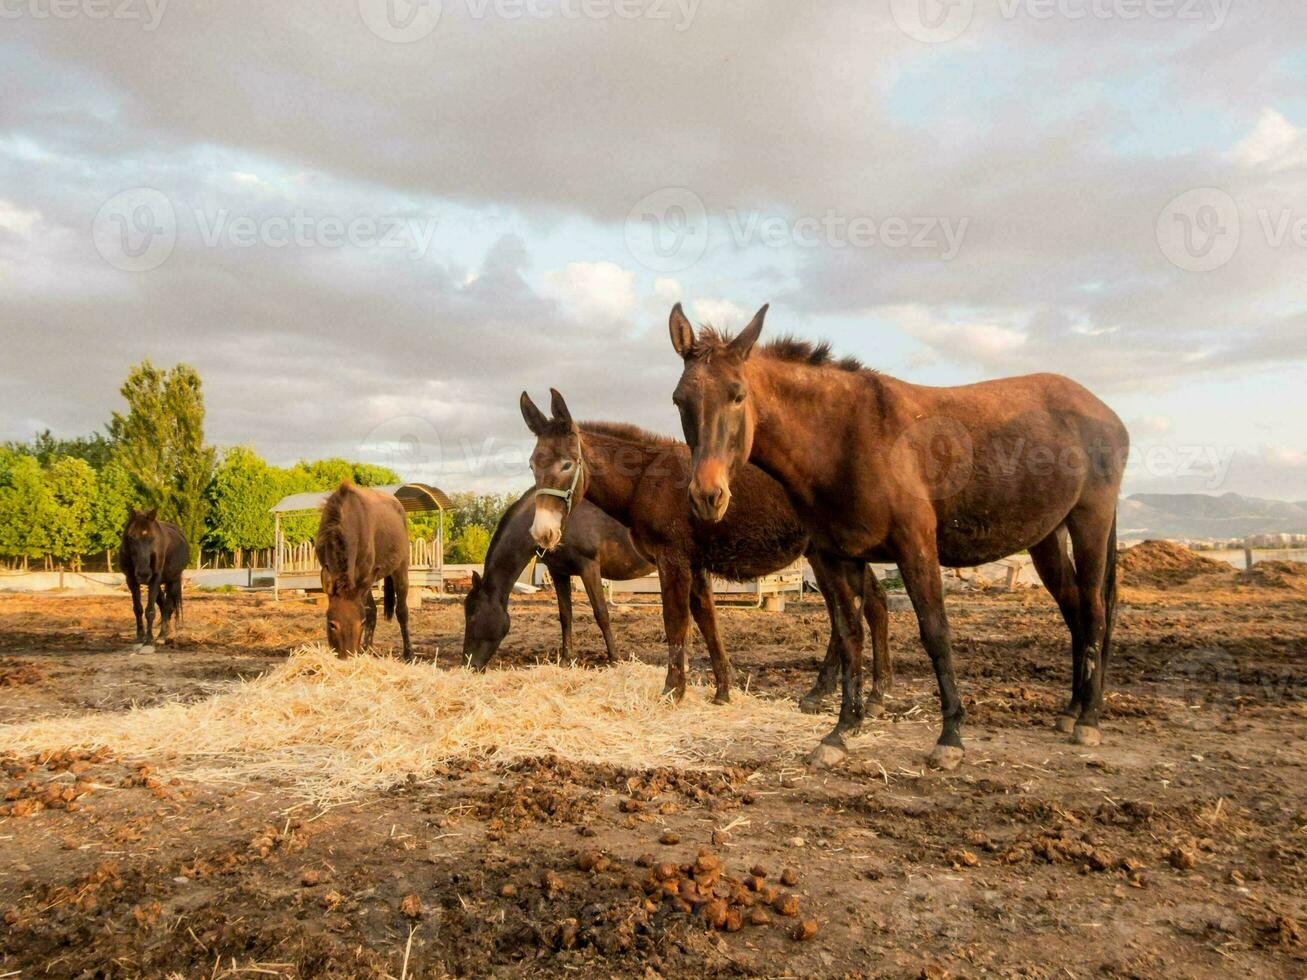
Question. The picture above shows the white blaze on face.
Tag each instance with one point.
(547, 528)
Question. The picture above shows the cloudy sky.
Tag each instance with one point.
(371, 223)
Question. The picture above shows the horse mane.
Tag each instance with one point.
(331, 543)
(789, 348)
(504, 521)
(628, 433)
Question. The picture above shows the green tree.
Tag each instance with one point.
(160, 443)
(241, 494)
(470, 546)
(71, 495)
(94, 449)
(114, 498)
(25, 507)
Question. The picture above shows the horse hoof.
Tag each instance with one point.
(145, 648)
(810, 705)
(1065, 724)
(722, 697)
(1087, 735)
(827, 756)
(873, 709)
(945, 757)
(675, 693)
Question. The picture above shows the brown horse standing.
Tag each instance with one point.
(639, 479)
(363, 537)
(879, 469)
(154, 553)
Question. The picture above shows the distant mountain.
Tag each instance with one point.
(1199, 515)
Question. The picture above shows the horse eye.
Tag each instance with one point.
(567, 465)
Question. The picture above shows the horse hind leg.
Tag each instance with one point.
(1052, 562)
(1093, 533)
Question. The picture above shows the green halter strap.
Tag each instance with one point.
(566, 496)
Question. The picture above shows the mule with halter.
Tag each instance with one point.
(362, 538)
(639, 479)
(154, 553)
(882, 470)
(594, 547)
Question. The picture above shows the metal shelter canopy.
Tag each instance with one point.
(415, 497)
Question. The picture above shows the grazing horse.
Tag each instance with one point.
(362, 537)
(879, 469)
(639, 479)
(154, 553)
(594, 546)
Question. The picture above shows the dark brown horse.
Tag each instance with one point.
(594, 547)
(362, 538)
(639, 479)
(154, 553)
(879, 469)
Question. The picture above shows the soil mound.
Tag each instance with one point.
(1161, 564)
(1276, 575)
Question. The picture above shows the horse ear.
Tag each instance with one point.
(326, 581)
(151, 513)
(476, 580)
(534, 418)
(681, 331)
(743, 344)
(559, 407)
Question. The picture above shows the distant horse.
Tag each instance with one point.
(594, 546)
(363, 537)
(882, 470)
(154, 553)
(639, 479)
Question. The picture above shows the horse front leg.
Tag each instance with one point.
(594, 589)
(846, 602)
(138, 609)
(369, 620)
(704, 610)
(918, 563)
(151, 600)
(828, 675)
(675, 582)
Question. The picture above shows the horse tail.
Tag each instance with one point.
(388, 597)
(177, 616)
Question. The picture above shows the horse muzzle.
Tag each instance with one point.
(547, 529)
(710, 491)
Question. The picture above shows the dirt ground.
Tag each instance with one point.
(1177, 848)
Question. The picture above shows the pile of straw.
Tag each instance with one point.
(335, 729)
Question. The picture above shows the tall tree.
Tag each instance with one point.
(115, 496)
(24, 507)
(160, 443)
(71, 484)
